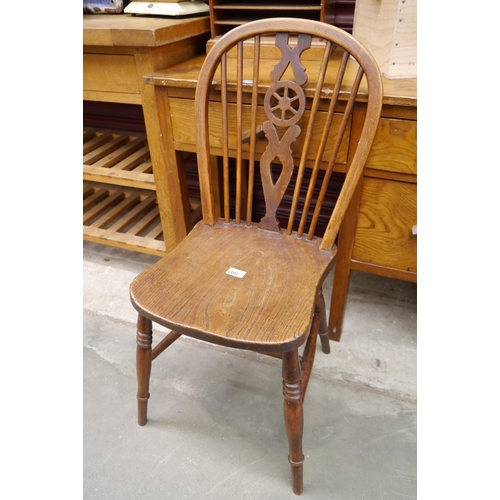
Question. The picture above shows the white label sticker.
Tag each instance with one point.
(236, 272)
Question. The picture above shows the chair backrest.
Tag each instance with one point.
(277, 95)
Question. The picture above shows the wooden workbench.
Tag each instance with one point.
(121, 204)
(377, 236)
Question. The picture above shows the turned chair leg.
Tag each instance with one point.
(143, 366)
(294, 417)
(323, 325)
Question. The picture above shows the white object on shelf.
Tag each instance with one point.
(182, 8)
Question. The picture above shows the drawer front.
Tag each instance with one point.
(395, 147)
(387, 214)
(110, 73)
(183, 124)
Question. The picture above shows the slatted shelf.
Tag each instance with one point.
(122, 217)
(125, 217)
(119, 197)
(117, 157)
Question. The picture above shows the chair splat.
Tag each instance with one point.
(284, 104)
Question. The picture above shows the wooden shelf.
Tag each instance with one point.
(227, 14)
(117, 157)
(119, 195)
(268, 6)
(123, 217)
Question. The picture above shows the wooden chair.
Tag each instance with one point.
(250, 284)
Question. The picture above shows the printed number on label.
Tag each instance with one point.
(236, 272)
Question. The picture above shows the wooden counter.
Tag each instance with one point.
(377, 236)
(121, 204)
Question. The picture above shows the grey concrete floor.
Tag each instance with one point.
(215, 428)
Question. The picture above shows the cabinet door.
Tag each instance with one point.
(387, 214)
(395, 147)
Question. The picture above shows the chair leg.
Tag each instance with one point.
(308, 356)
(323, 326)
(143, 366)
(294, 417)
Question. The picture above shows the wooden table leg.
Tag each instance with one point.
(170, 177)
(347, 234)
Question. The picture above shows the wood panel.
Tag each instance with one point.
(392, 39)
(110, 73)
(125, 30)
(395, 147)
(183, 123)
(387, 214)
(400, 95)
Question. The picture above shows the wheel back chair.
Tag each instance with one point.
(247, 284)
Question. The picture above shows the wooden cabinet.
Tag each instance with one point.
(384, 241)
(121, 204)
(378, 235)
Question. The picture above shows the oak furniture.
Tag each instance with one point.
(227, 14)
(377, 235)
(256, 284)
(122, 206)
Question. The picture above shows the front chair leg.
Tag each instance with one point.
(294, 417)
(143, 366)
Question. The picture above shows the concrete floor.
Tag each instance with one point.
(215, 428)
